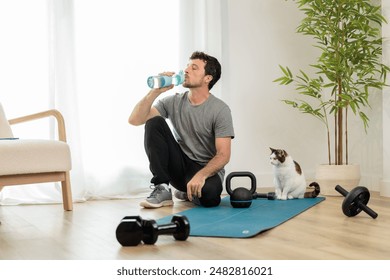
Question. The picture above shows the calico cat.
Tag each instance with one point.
(289, 179)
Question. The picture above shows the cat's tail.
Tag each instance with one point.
(313, 193)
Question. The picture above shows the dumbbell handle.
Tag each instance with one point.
(362, 206)
(269, 196)
(167, 228)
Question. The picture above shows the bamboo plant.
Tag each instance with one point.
(348, 69)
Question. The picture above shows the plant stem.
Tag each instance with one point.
(339, 112)
(329, 156)
(335, 139)
(346, 135)
(340, 130)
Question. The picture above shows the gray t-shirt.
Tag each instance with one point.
(196, 127)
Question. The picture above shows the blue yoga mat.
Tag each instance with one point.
(226, 221)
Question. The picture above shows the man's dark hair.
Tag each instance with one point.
(212, 67)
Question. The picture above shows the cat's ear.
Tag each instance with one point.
(272, 150)
(285, 153)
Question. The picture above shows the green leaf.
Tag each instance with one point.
(286, 71)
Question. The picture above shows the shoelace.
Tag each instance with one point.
(156, 190)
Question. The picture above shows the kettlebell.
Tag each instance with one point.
(241, 197)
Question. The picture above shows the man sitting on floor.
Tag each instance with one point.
(192, 159)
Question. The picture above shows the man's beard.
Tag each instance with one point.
(189, 85)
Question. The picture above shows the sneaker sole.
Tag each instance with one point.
(146, 204)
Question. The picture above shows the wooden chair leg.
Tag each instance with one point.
(67, 193)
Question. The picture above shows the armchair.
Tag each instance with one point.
(30, 161)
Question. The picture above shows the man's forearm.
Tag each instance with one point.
(195, 185)
(214, 165)
(142, 109)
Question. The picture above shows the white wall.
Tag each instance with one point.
(257, 37)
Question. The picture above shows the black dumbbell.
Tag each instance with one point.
(133, 229)
(129, 231)
(179, 227)
(355, 201)
(242, 197)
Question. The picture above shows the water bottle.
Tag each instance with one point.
(164, 81)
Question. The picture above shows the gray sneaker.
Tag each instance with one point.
(180, 195)
(159, 197)
(183, 196)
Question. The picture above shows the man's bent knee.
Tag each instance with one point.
(210, 202)
(154, 122)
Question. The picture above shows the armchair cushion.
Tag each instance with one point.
(5, 128)
(33, 156)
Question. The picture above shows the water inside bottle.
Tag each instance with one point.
(178, 79)
(155, 82)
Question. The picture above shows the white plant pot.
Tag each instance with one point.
(328, 176)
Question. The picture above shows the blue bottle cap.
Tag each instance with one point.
(150, 82)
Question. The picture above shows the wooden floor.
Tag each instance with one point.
(320, 233)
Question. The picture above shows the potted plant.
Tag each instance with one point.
(347, 70)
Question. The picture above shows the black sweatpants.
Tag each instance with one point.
(169, 164)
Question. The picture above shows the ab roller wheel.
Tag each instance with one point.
(356, 201)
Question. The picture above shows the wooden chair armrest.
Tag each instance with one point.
(40, 115)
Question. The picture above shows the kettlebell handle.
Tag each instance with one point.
(240, 174)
